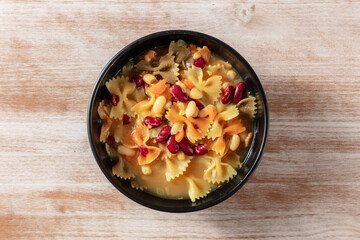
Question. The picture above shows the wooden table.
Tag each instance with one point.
(307, 55)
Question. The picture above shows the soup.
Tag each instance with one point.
(178, 121)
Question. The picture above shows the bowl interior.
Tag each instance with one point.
(260, 122)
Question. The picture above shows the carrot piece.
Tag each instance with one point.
(188, 83)
(212, 112)
(179, 135)
(158, 88)
(248, 139)
(205, 53)
(193, 48)
(128, 158)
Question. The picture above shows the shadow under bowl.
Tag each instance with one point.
(253, 85)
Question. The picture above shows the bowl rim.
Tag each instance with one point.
(194, 34)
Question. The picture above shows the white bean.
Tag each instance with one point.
(146, 170)
(181, 156)
(231, 74)
(159, 104)
(203, 113)
(195, 94)
(197, 55)
(191, 109)
(125, 151)
(234, 142)
(176, 128)
(150, 55)
(149, 78)
(225, 85)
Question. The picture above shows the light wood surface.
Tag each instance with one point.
(307, 55)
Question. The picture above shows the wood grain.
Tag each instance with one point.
(307, 55)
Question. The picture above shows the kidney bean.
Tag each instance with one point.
(239, 92)
(178, 94)
(152, 121)
(228, 95)
(111, 141)
(126, 119)
(198, 104)
(158, 77)
(143, 150)
(163, 134)
(172, 145)
(114, 99)
(186, 147)
(139, 81)
(200, 62)
(201, 149)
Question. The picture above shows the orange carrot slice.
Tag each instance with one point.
(188, 83)
(193, 48)
(212, 112)
(158, 88)
(179, 135)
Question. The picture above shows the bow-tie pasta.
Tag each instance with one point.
(177, 121)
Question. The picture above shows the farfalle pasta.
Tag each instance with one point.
(177, 121)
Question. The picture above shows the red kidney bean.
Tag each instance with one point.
(143, 150)
(186, 147)
(111, 141)
(200, 62)
(152, 121)
(126, 119)
(178, 94)
(158, 77)
(172, 145)
(201, 149)
(163, 134)
(114, 99)
(228, 95)
(239, 92)
(139, 81)
(198, 104)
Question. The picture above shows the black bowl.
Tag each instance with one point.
(260, 125)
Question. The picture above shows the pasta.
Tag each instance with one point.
(223, 114)
(211, 87)
(248, 106)
(167, 68)
(175, 167)
(228, 129)
(197, 188)
(123, 169)
(180, 51)
(170, 125)
(138, 139)
(118, 87)
(218, 171)
(196, 128)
